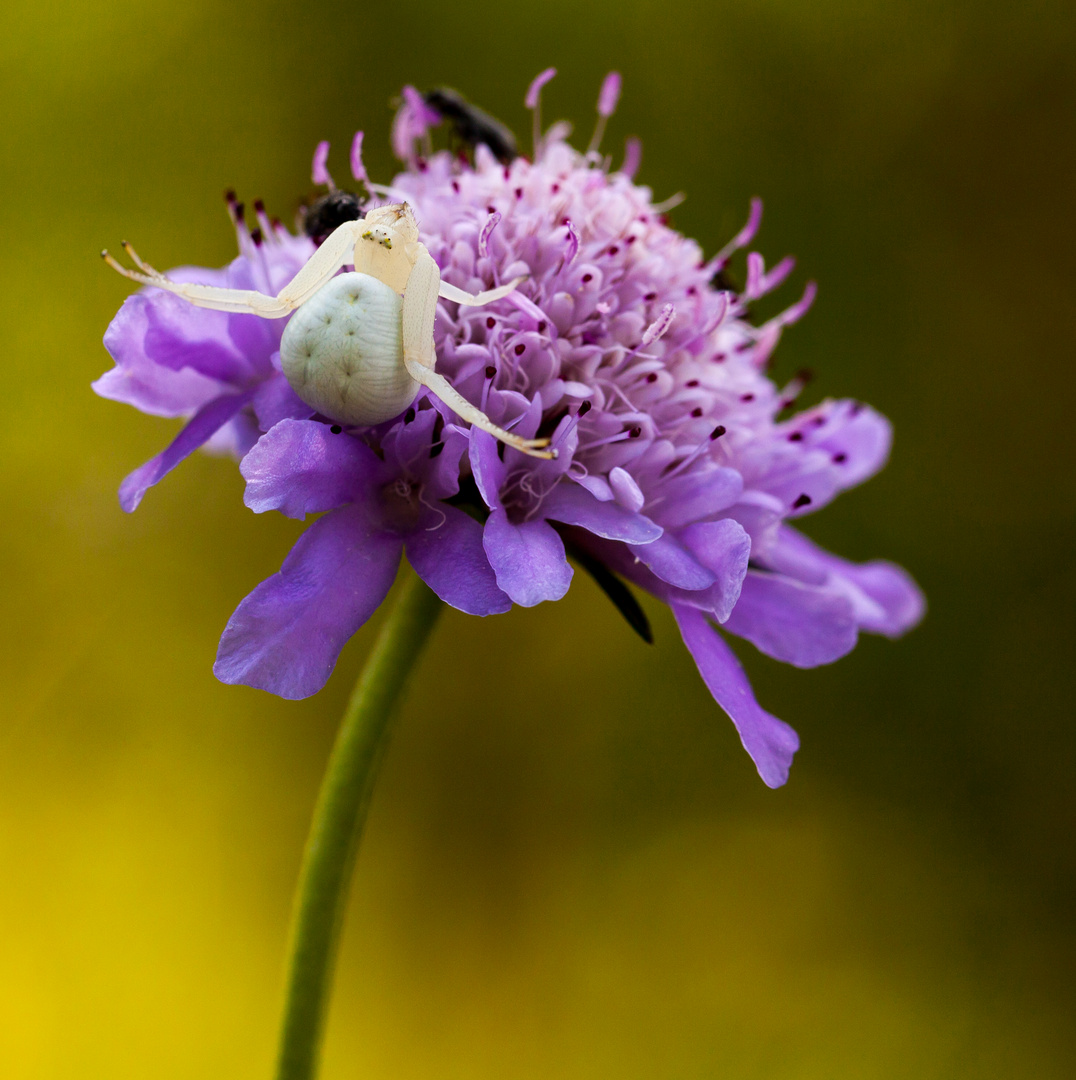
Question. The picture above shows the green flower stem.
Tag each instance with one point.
(337, 826)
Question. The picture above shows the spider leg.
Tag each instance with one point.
(419, 312)
(207, 296)
(450, 292)
(140, 263)
(322, 265)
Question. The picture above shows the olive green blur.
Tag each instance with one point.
(571, 869)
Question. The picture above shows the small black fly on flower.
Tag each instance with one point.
(471, 125)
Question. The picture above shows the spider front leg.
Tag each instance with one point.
(419, 312)
(450, 292)
(335, 252)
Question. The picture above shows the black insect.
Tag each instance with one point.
(331, 211)
(472, 125)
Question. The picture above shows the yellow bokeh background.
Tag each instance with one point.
(571, 868)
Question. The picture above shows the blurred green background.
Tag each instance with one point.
(571, 869)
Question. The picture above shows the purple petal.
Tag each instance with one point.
(300, 467)
(770, 742)
(839, 445)
(138, 380)
(180, 335)
(235, 439)
(885, 599)
(625, 489)
(254, 337)
(672, 562)
(408, 450)
(715, 599)
(724, 548)
(488, 469)
(571, 505)
(598, 486)
(274, 400)
(899, 604)
(286, 635)
(155, 390)
(442, 472)
(800, 624)
(760, 515)
(205, 423)
(447, 553)
(792, 473)
(697, 496)
(863, 436)
(528, 559)
(410, 441)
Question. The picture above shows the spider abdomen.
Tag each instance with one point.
(342, 351)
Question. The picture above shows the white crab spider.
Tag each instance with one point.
(360, 344)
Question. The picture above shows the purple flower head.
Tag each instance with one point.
(636, 357)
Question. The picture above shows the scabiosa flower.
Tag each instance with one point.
(629, 350)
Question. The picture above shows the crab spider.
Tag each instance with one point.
(360, 344)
